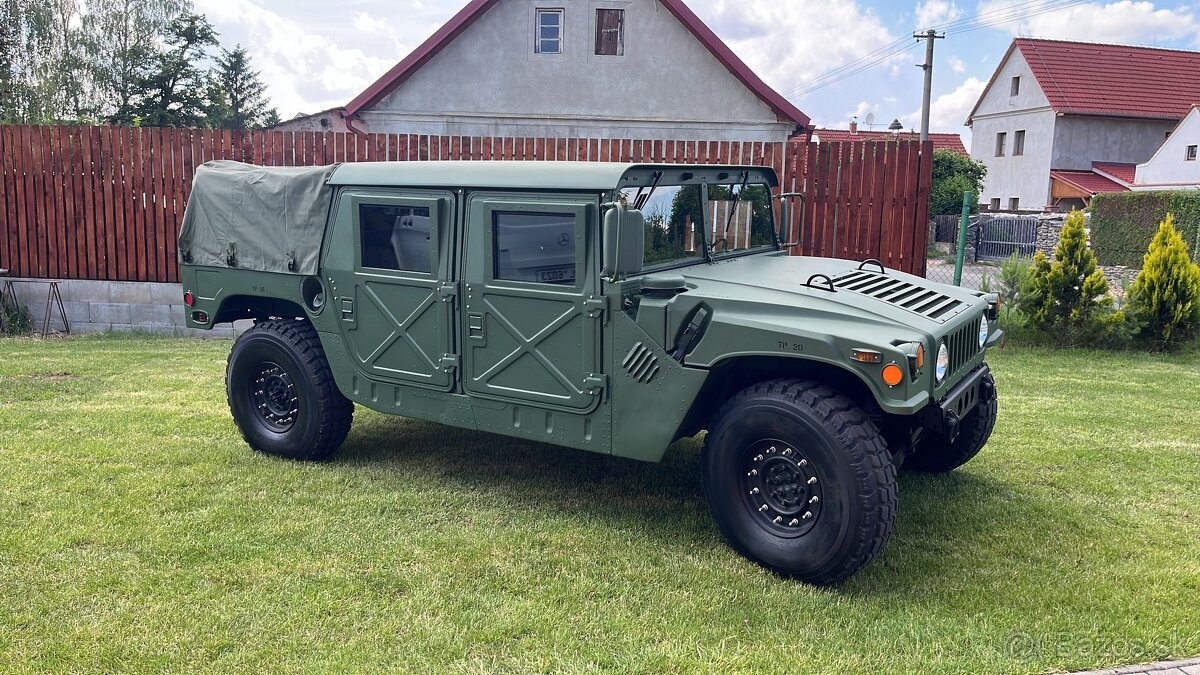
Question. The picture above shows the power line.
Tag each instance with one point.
(1016, 12)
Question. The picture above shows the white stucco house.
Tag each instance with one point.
(639, 69)
(1175, 166)
(1054, 111)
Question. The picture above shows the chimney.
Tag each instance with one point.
(854, 126)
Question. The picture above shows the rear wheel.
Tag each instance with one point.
(800, 481)
(932, 453)
(282, 394)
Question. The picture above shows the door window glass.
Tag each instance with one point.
(396, 238)
(535, 247)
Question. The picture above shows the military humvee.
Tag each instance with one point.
(613, 308)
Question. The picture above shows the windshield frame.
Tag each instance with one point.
(646, 177)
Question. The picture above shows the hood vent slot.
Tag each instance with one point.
(927, 302)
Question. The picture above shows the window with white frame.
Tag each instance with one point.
(549, 36)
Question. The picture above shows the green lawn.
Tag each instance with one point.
(138, 533)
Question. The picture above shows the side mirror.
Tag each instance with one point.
(785, 219)
(624, 241)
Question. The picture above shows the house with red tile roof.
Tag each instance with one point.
(1176, 165)
(1062, 121)
(637, 69)
(940, 141)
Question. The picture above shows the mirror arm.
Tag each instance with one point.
(800, 231)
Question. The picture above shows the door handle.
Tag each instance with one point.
(475, 327)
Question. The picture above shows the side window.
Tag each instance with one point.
(396, 238)
(549, 32)
(534, 247)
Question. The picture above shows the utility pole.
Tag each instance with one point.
(928, 36)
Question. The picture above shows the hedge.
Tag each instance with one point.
(1123, 223)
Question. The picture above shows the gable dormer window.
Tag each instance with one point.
(610, 32)
(1015, 88)
(549, 27)
(1190, 154)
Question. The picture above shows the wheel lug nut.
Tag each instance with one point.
(778, 520)
(812, 481)
(788, 452)
(814, 500)
(808, 515)
(762, 508)
(804, 462)
(753, 472)
(754, 491)
(759, 458)
(795, 522)
(772, 449)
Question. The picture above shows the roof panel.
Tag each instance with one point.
(501, 175)
(940, 141)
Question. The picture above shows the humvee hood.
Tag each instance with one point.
(886, 298)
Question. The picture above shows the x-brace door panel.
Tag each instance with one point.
(531, 332)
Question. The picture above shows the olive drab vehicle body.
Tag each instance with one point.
(613, 308)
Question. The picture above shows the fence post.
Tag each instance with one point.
(968, 199)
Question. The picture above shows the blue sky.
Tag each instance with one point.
(316, 54)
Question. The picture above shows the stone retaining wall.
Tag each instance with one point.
(96, 306)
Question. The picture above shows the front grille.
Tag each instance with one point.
(917, 299)
(964, 347)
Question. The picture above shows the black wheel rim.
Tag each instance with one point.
(780, 488)
(273, 396)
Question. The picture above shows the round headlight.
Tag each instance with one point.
(983, 332)
(943, 362)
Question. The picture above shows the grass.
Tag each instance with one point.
(138, 533)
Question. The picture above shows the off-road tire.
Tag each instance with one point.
(801, 430)
(282, 393)
(933, 454)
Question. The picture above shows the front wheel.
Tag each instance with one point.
(282, 394)
(800, 481)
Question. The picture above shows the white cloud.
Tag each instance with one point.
(933, 12)
(1126, 21)
(949, 111)
(957, 64)
(789, 44)
(311, 57)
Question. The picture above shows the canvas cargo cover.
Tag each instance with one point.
(269, 219)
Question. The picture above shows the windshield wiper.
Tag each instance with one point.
(640, 200)
(734, 197)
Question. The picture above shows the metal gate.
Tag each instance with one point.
(1000, 238)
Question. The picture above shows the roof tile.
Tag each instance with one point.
(1118, 80)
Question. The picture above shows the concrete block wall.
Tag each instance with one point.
(97, 306)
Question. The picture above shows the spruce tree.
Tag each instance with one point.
(1071, 289)
(1166, 294)
(237, 94)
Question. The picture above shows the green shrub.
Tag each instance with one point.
(1166, 294)
(1071, 290)
(1013, 280)
(17, 320)
(1123, 223)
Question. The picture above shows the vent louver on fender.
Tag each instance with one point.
(641, 363)
(917, 299)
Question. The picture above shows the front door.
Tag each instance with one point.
(531, 319)
(398, 321)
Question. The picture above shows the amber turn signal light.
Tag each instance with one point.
(920, 357)
(892, 375)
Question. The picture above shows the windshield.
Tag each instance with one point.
(680, 231)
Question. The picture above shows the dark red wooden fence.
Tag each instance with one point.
(106, 202)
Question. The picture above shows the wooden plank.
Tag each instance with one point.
(924, 188)
(106, 234)
(20, 264)
(119, 202)
(8, 197)
(57, 252)
(76, 254)
(38, 212)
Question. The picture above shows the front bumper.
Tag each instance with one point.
(944, 417)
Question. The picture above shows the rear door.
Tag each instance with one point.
(398, 317)
(531, 316)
